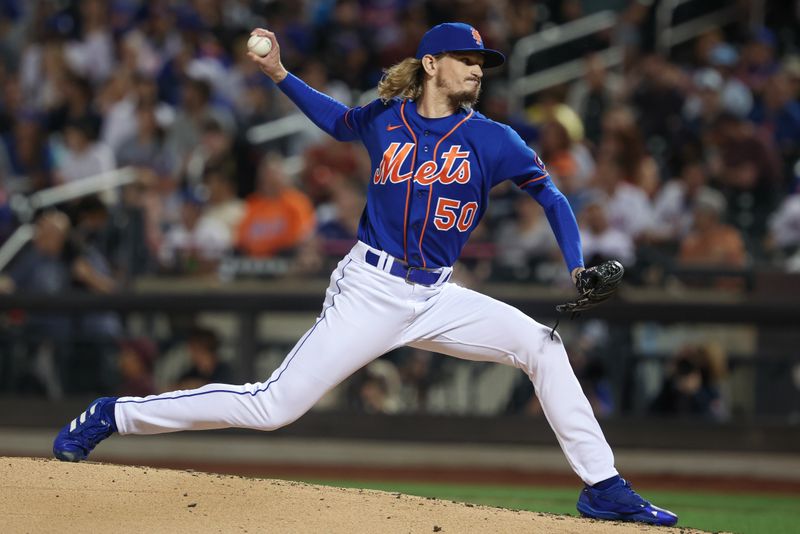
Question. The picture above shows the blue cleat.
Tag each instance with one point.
(77, 439)
(620, 503)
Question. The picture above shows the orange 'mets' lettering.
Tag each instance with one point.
(455, 166)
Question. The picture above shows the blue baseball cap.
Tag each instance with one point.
(457, 37)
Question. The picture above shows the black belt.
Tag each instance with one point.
(412, 275)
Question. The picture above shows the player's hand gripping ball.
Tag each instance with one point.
(260, 45)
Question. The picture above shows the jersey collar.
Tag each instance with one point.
(440, 125)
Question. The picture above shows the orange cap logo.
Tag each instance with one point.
(477, 37)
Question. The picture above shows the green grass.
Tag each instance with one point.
(739, 513)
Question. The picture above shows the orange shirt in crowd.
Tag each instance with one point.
(274, 224)
(721, 246)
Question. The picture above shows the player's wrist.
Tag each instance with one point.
(279, 76)
(575, 272)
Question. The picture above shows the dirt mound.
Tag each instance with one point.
(49, 496)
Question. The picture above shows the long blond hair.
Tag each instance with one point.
(402, 79)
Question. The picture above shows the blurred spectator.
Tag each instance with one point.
(758, 59)
(704, 105)
(593, 95)
(92, 225)
(194, 111)
(628, 207)
(82, 156)
(40, 266)
(524, 241)
(778, 114)
(600, 241)
(623, 142)
(124, 237)
(693, 384)
(256, 103)
(349, 45)
(214, 150)
(658, 97)
(712, 243)
(550, 108)
(30, 158)
(206, 367)
(748, 171)
(376, 388)
(122, 100)
(569, 164)
(328, 163)
(278, 217)
(223, 205)
(54, 261)
(118, 106)
(76, 104)
(339, 228)
(136, 361)
(674, 203)
(419, 372)
(736, 97)
(784, 225)
(145, 147)
(92, 55)
(44, 73)
(196, 244)
(154, 202)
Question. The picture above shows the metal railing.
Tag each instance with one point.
(566, 72)
(523, 85)
(668, 36)
(25, 207)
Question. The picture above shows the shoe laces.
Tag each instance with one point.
(624, 494)
(93, 432)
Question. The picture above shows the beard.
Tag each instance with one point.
(459, 99)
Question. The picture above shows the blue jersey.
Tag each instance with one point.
(431, 177)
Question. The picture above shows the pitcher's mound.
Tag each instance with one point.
(49, 496)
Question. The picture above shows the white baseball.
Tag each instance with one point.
(259, 45)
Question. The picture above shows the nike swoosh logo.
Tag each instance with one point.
(389, 128)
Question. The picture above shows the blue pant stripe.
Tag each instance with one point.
(266, 387)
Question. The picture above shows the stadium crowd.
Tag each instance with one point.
(674, 165)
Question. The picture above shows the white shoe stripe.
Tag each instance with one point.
(73, 425)
(83, 417)
(92, 409)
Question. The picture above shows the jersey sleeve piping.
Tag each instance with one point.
(346, 115)
(532, 180)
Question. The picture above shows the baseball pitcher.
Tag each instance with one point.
(434, 161)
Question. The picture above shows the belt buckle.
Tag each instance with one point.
(408, 273)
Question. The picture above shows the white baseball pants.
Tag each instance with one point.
(368, 312)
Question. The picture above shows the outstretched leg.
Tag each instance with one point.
(360, 321)
(468, 325)
(472, 326)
